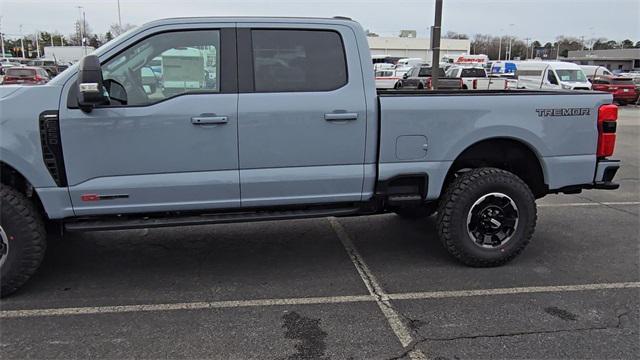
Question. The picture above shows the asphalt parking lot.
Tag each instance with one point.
(376, 287)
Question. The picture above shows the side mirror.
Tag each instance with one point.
(91, 91)
(405, 76)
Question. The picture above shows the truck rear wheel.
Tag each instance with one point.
(23, 240)
(486, 217)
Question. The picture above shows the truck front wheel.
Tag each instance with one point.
(23, 240)
(486, 217)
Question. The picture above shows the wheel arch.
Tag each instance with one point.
(10, 176)
(508, 153)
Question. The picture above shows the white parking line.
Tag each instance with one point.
(511, 291)
(394, 319)
(609, 203)
(4, 314)
(94, 310)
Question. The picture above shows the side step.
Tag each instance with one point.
(124, 222)
(404, 200)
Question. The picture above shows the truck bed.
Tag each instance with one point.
(424, 131)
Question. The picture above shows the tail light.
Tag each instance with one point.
(475, 84)
(607, 121)
(38, 78)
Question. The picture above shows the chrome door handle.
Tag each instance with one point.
(341, 116)
(208, 120)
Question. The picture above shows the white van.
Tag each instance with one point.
(551, 75)
(593, 70)
(404, 65)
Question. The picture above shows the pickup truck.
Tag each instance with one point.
(475, 78)
(291, 126)
(419, 77)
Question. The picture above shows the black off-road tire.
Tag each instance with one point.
(458, 200)
(25, 232)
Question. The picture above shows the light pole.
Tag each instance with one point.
(81, 24)
(510, 40)
(435, 45)
(2, 37)
(38, 43)
(526, 50)
(500, 46)
(21, 42)
(119, 17)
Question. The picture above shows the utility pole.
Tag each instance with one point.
(435, 45)
(582, 42)
(21, 41)
(526, 50)
(119, 17)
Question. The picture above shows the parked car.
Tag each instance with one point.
(474, 78)
(419, 77)
(51, 66)
(623, 89)
(387, 79)
(293, 128)
(555, 75)
(25, 75)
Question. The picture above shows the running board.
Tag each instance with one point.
(123, 222)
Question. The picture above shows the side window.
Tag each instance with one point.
(298, 60)
(552, 77)
(167, 64)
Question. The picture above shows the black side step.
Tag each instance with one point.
(123, 222)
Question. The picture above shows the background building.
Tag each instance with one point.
(612, 59)
(416, 47)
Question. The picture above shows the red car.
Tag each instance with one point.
(623, 89)
(25, 75)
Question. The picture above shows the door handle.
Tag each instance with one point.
(208, 120)
(341, 116)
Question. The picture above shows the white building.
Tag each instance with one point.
(416, 47)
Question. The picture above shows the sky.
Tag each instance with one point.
(541, 20)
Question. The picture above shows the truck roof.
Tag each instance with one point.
(250, 19)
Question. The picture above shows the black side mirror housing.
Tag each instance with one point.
(91, 90)
(405, 76)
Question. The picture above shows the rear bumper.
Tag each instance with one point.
(603, 178)
(605, 172)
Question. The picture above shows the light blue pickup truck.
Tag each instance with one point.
(279, 118)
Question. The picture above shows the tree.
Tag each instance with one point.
(637, 46)
(82, 27)
(370, 33)
(626, 44)
(454, 35)
(116, 29)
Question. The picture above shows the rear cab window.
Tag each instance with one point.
(298, 60)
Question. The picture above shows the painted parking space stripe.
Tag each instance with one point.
(94, 310)
(511, 291)
(400, 329)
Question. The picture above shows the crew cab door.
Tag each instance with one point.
(172, 145)
(301, 115)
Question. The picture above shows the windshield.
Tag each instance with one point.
(571, 75)
(426, 72)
